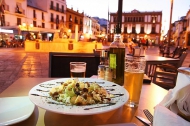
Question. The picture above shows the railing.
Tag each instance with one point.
(56, 9)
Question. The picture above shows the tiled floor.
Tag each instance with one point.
(16, 63)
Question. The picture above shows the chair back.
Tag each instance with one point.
(182, 58)
(136, 51)
(177, 52)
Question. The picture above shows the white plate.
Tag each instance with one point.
(15, 109)
(36, 97)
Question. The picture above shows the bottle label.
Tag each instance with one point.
(113, 64)
(113, 61)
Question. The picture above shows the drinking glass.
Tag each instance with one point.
(133, 78)
(77, 69)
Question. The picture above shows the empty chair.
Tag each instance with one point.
(165, 75)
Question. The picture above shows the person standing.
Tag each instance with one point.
(146, 43)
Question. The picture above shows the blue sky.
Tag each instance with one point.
(100, 8)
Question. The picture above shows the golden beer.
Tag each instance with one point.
(133, 83)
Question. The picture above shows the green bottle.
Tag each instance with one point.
(117, 59)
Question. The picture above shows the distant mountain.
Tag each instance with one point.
(101, 21)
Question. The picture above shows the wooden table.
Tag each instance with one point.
(155, 60)
(151, 95)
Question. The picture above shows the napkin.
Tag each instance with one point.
(164, 117)
(177, 101)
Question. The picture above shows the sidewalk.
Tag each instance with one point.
(16, 63)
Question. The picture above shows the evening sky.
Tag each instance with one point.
(100, 9)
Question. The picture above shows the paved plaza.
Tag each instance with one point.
(16, 63)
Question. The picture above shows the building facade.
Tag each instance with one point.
(45, 17)
(23, 16)
(187, 35)
(138, 25)
(178, 32)
(74, 21)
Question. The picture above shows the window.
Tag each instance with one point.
(34, 23)
(62, 18)
(70, 18)
(62, 9)
(129, 19)
(52, 27)
(51, 5)
(57, 19)
(76, 21)
(133, 30)
(43, 25)
(125, 29)
(115, 19)
(18, 21)
(42, 16)
(154, 19)
(142, 19)
(57, 6)
(153, 30)
(34, 13)
(51, 18)
(81, 21)
(125, 19)
(142, 30)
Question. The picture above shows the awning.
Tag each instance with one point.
(33, 29)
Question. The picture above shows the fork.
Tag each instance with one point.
(148, 115)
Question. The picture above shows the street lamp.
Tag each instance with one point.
(169, 32)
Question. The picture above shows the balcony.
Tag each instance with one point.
(52, 7)
(6, 7)
(56, 9)
(19, 12)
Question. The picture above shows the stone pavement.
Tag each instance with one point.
(16, 63)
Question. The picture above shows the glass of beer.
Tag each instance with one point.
(133, 78)
(77, 69)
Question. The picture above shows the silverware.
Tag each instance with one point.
(148, 115)
(143, 120)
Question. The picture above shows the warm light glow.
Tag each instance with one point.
(31, 25)
(24, 24)
(148, 28)
(129, 28)
(6, 31)
(138, 28)
(69, 30)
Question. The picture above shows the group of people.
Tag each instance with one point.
(133, 43)
(13, 43)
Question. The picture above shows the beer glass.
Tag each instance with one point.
(133, 78)
(77, 69)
